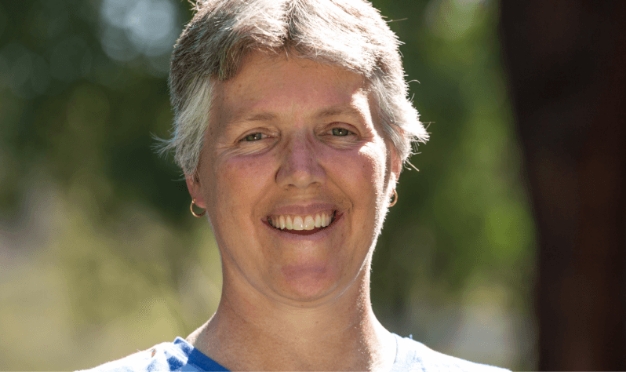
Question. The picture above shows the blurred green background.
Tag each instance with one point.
(99, 256)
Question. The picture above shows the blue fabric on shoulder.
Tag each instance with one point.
(167, 356)
(196, 358)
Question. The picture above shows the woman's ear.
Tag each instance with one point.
(395, 166)
(195, 189)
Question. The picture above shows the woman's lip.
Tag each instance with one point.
(296, 233)
(308, 222)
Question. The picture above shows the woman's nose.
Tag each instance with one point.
(300, 165)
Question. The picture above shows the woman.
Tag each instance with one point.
(291, 127)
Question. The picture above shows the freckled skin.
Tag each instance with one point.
(292, 133)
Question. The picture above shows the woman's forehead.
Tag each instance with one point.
(270, 86)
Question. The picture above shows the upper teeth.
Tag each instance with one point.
(308, 222)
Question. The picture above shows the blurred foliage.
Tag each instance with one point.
(98, 253)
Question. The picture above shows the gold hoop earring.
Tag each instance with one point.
(395, 198)
(197, 215)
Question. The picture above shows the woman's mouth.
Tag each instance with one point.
(302, 223)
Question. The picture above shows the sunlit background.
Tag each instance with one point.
(99, 256)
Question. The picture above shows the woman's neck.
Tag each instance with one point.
(341, 334)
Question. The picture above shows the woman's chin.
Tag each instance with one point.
(307, 284)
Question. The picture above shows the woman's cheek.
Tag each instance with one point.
(241, 175)
(376, 155)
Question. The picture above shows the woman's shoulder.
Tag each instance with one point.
(167, 356)
(415, 356)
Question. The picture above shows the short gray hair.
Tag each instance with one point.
(347, 33)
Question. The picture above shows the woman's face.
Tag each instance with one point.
(295, 177)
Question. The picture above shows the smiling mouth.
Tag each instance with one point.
(302, 225)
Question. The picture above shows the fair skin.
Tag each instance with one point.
(290, 139)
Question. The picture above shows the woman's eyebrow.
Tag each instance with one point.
(240, 118)
(347, 110)
(263, 116)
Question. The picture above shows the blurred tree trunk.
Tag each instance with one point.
(566, 61)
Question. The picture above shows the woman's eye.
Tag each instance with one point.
(340, 132)
(253, 137)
